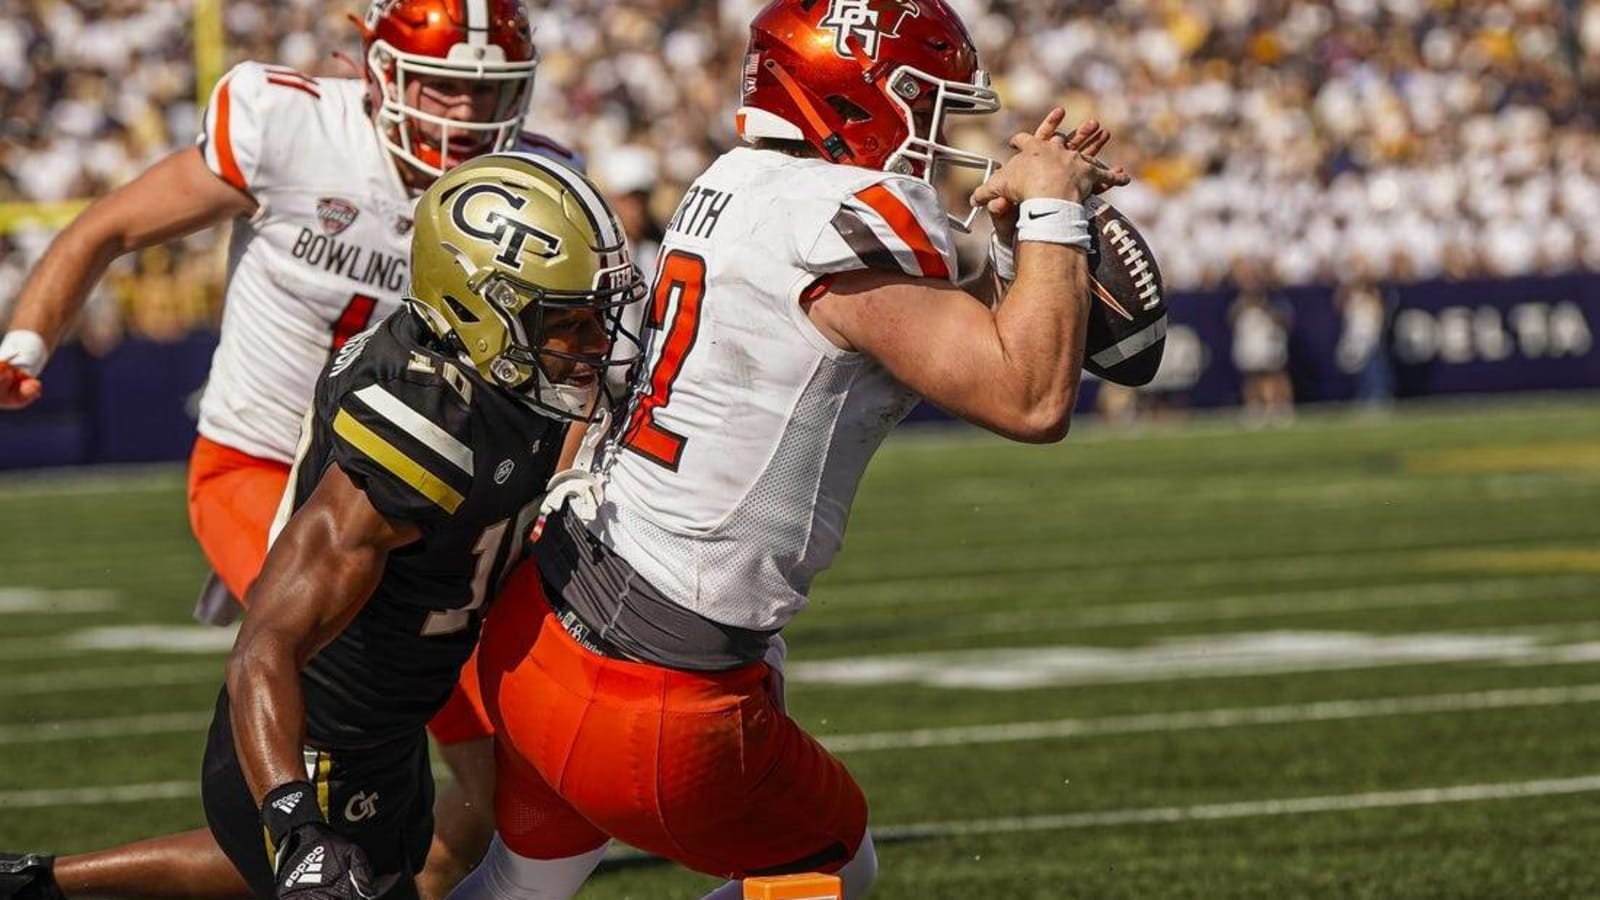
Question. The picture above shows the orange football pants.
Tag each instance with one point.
(233, 498)
(702, 768)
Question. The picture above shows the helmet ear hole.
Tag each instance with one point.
(460, 311)
(847, 110)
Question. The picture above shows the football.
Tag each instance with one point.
(1128, 306)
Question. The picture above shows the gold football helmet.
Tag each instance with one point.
(510, 245)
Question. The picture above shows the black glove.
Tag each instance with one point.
(314, 862)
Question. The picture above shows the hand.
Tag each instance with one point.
(1046, 167)
(316, 863)
(17, 388)
(1002, 212)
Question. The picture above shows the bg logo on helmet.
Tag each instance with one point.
(510, 234)
(869, 21)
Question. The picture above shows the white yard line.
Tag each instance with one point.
(1289, 806)
(45, 601)
(1286, 806)
(1008, 732)
(110, 678)
(1186, 657)
(117, 727)
(50, 798)
(146, 638)
(1268, 605)
(1328, 711)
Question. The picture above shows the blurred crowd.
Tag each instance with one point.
(1310, 142)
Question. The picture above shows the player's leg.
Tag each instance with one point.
(703, 769)
(463, 817)
(233, 498)
(745, 790)
(180, 865)
(464, 809)
(191, 864)
(544, 850)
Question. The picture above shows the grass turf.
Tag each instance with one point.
(1442, 551)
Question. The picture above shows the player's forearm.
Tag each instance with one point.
(1041, 326)
(60, 284)
(267, 714)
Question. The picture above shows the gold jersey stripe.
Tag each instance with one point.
(324, 769)
(399, 465)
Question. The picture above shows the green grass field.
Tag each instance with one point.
(1357, 657)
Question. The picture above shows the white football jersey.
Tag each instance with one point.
(729, 485)
(324, 256)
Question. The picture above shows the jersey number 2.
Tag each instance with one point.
(682, 276)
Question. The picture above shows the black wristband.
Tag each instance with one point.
(287, 807)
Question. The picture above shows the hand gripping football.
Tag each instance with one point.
(1127, 304)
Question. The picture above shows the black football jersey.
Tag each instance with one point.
(432, 443)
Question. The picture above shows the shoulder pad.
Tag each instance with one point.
(246, 107)
(891, 223)
(402, 428)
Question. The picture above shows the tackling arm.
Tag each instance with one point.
(319, 573)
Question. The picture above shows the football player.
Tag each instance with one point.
(805, 300)
(430, 440)
(318, 177)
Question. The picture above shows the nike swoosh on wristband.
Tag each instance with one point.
(1035, 216)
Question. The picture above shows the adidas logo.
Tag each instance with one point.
(309, 871)
(287, 803)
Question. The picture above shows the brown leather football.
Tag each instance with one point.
(1128, 306)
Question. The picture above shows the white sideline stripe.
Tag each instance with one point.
(119, 726)
(175, 639)
(123, 793)
(1326, 711)
(1252, 606)
(1009, 732)
(109, 678)
(415, 424)
(23, 600)
(1466, 793)
(1193, 656)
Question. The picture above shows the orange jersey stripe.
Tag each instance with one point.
(230, 166)
(295, 84)
(904, 222)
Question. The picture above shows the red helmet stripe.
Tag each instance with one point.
(230, 166)
(904, 222)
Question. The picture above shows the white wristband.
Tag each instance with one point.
(25, 350)
(1052, 221)
(1002, 259)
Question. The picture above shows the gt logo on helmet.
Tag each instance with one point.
(870, 21)
(512, 235)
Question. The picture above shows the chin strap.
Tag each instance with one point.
(832, 142)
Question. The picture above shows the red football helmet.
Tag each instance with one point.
(865, 82)
(476, 40)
